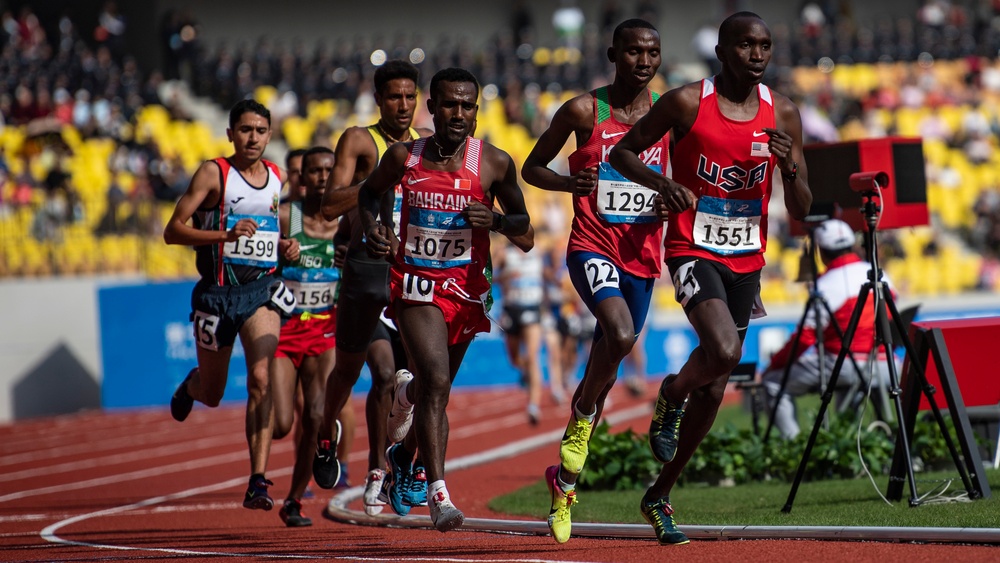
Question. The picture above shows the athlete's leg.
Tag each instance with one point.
(284, 391)
(425, 334)
(208, 383)
(607, 353)
(259, 335)
(383, 368)
(532, 366)
(312, 374)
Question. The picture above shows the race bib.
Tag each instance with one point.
(260, 250)
(600, 274)
(686, 285)
(728, 226)
(416, 288)
(437, 239)
(620, 200)
(205, 327)
(283, 297)
(397, 208)
(315, 289)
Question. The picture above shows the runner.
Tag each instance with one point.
(731, 134)
(450, 182)
(233, 203)
(614, 245)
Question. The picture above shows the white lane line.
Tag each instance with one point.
(133, 455)
(49, 532)
(141, 474)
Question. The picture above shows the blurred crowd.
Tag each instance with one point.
(932, 74)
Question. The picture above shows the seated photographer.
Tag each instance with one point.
(840, 284)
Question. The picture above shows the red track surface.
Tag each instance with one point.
(137, 485)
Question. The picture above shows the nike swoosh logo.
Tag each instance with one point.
(307, 247)
(328, 334)
(606, 135)
(467, 330)
(412, 181)
(756, 134)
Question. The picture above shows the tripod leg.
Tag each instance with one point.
(883, 333)
(788, 368)
(854, 362)
(852, 327)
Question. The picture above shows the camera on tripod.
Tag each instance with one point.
(868, 182)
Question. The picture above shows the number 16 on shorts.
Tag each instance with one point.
(416, 288)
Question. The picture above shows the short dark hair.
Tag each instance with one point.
(248, 105)
(292, 154)
(728, 26)
(633, 23)
(452, 75)
(391, 70)
(313, 151)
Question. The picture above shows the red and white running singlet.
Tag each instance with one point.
(438, 248)
(729, 167)
(617, 220)
(247, 258)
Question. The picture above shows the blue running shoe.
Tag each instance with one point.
(398, 478)
(416, 493)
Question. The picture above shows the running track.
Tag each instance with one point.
(137, 485)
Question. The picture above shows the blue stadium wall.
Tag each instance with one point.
(147, 344)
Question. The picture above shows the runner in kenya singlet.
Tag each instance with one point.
(728, 166)
(617, 220)
(246, 259)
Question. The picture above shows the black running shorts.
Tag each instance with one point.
(364, 292)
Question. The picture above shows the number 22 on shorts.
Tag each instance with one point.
(600, 274)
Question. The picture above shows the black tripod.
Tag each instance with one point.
(813, 304)
(882, 300)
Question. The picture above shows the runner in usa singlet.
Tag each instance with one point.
(727, 164)
(617, 220)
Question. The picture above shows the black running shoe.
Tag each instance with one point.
(181, 402)
(664, 429)
(326, 468)
(256, 497)
(291, 514)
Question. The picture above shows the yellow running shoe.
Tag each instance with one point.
(575, 444)
(560, 523)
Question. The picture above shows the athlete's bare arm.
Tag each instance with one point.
(515, 223)
(383, 179)
(575, 117)
(284, 217)
(786, 144)
(355, 158)
(677, 110)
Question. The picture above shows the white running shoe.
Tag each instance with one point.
(444, 515)
(373, 486)
(400, 418)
